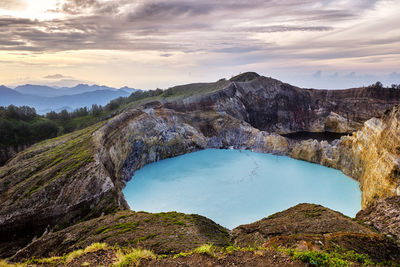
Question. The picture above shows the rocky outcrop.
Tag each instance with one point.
(163, 233)
(370, 155)
(302, 218)
(314, 227)
(273, 106)
(80, 176)
(305, 226)
(383, 215)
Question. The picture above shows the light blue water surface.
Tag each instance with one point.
(234, 187)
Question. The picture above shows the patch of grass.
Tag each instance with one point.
(187, 90)
(335, 259)
(173, 217)
(73, 255)
(51, 260)
(207, 249)
(125, 227)
(4, 263)
(133, 257)
(95, 247)
(77, 253)
(101, 229)
(144, 238)
(123, 216)
(181, 254)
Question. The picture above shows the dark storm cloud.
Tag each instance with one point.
(170, 25)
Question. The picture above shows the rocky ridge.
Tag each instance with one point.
(79, 176)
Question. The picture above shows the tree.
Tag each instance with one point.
(378, 85)
(64, 115)
(96, 110)
(45, 129)
(52, 115)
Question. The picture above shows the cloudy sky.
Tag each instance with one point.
(149, 44)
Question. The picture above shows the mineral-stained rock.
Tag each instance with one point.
(370, 155)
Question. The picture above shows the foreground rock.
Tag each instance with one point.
(180, 238)
(303, 218)
(313, 227)
(163, 233)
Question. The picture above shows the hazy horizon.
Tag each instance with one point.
(152, 44)
(354, 83)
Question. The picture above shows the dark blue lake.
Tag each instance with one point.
(234, 187)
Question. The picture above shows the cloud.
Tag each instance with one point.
(180, 25)
(217, 36)
(12, 4)
(56, 77)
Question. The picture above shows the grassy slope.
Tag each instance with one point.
(46, 161)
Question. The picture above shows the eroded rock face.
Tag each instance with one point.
(80, 176)
(383, 215)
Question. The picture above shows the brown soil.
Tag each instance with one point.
(98, 258)
(237, 258)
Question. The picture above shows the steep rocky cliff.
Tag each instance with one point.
(370, 155)
(79, 176)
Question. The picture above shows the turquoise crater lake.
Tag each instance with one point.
(234, 187)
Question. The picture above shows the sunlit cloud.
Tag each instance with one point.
(123, 42)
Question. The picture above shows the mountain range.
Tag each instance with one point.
(45, 98)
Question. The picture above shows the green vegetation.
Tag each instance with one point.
(207, 249)
(379, 85)
(183, 91)
(67, 155)
(21, 126)
(133, 257)
(173, 217)
(337, 258)
(124, 227)
(144, 238)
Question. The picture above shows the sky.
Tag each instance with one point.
(152, 44)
